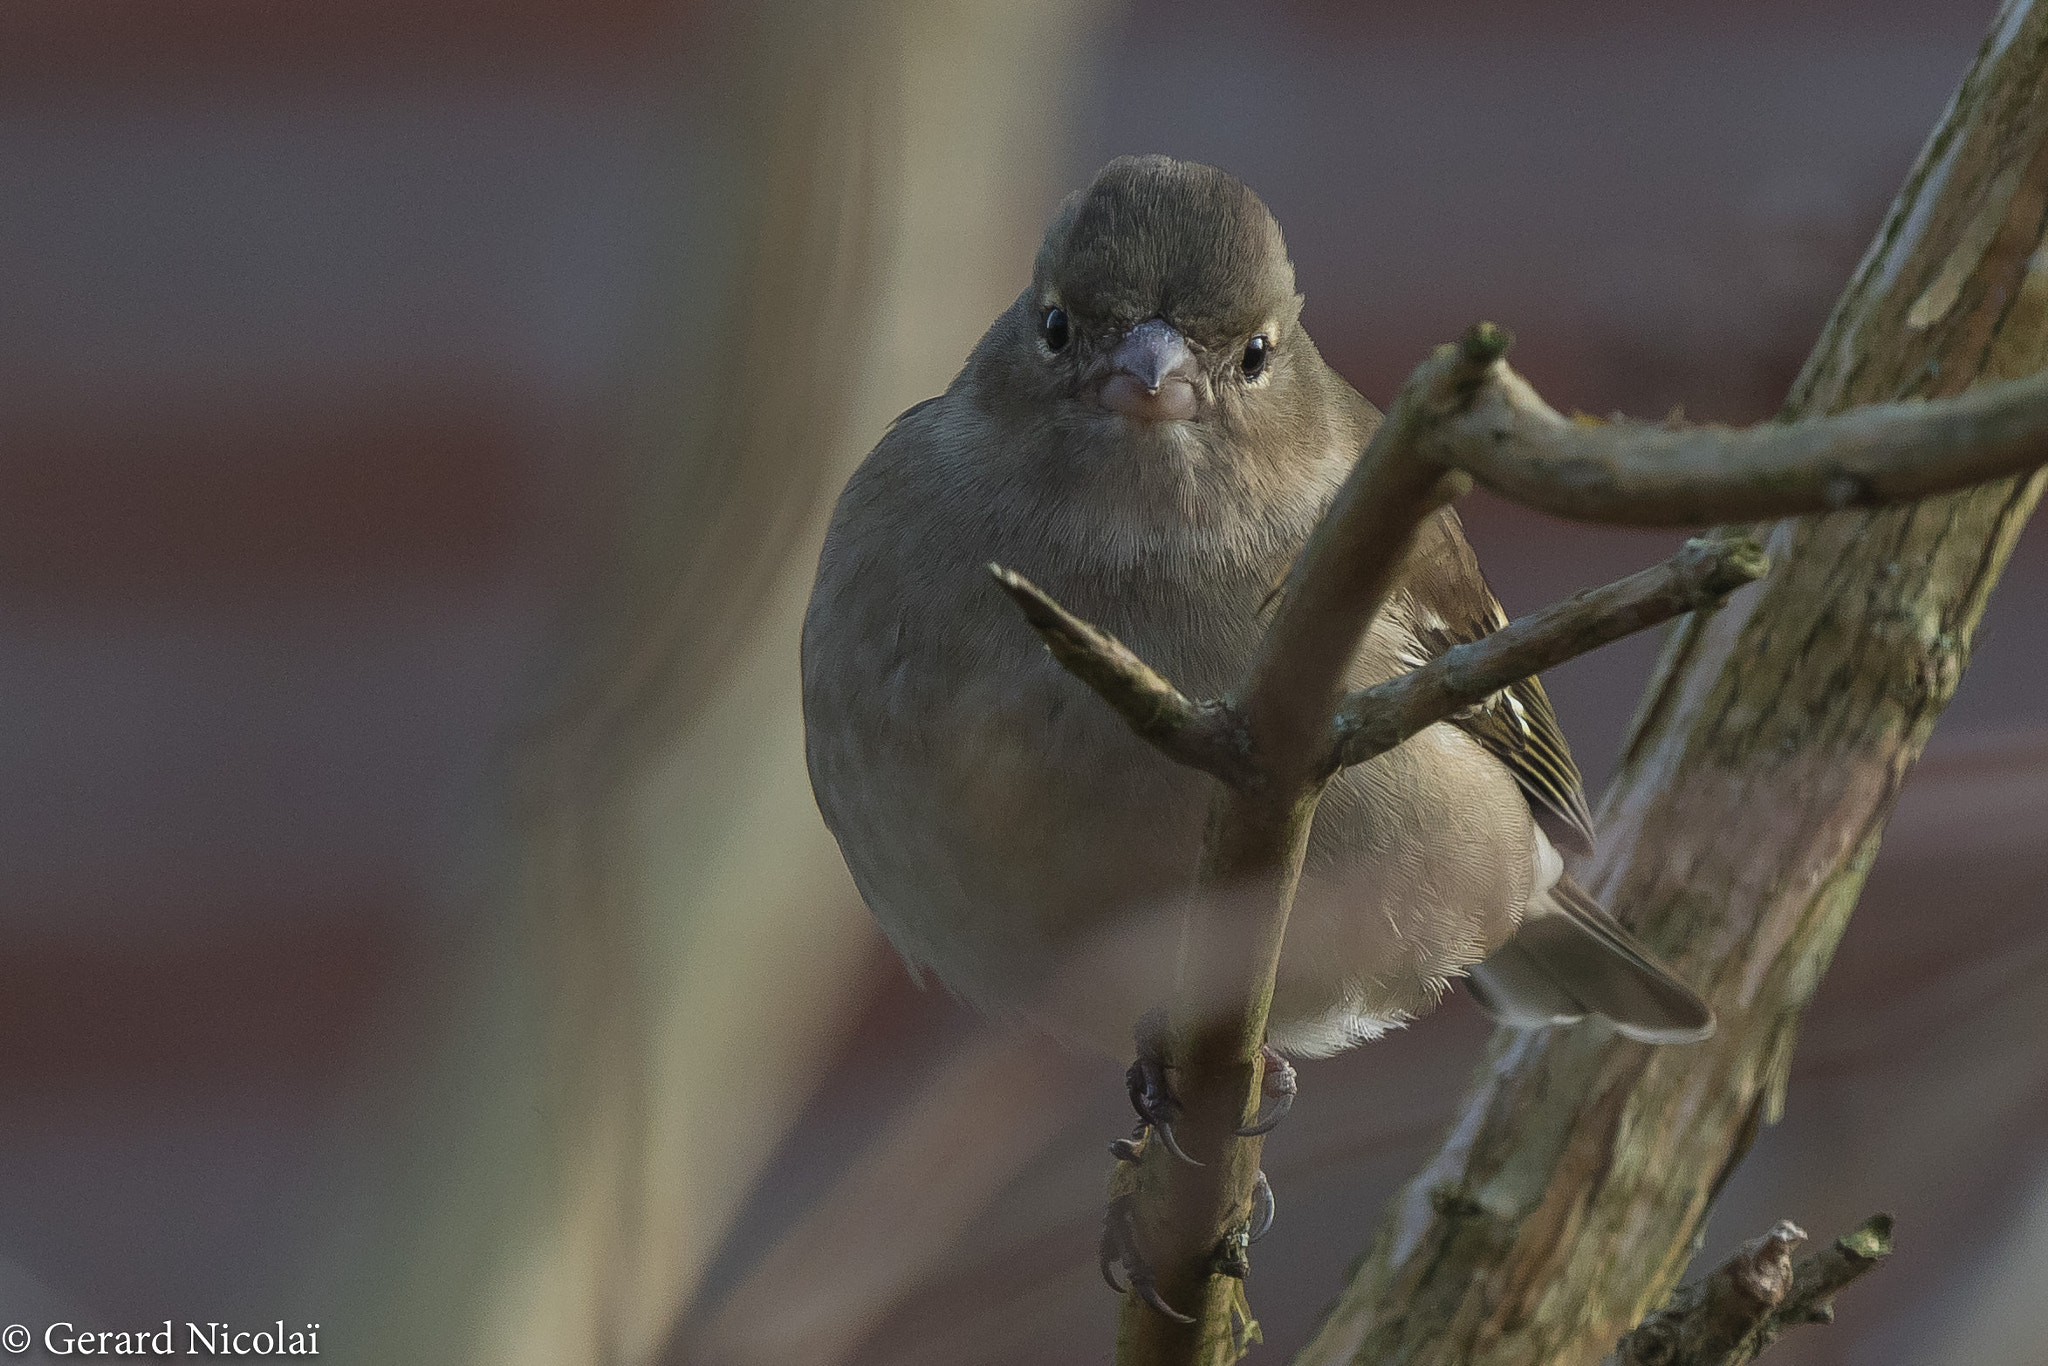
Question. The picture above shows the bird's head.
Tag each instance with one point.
(1162, 300)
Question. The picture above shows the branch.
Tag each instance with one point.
(1644, 474)
(1750, 800)
(1819, 1275)
(1373, 720)
(1276, 746)
(1204, 735)
(1212, 737)
(1251, 861)
(1272, 752)
(1740, 1308)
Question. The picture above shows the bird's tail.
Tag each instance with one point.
(1571, 959)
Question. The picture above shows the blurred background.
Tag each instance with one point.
(417, 426)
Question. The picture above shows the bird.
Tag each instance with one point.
(1149, 434)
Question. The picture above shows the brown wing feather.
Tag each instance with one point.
(1610, 971)
(1450, 604)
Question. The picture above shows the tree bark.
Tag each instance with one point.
(1748, 806)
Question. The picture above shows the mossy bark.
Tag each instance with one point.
(1748, 806)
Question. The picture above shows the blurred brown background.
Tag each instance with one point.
(417, 424)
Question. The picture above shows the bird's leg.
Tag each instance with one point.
(1152, 1097)
(1281, 1084)
(1151, 1094)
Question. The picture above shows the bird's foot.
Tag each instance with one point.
(1120, 1253)
(1157, 1106)
(1233, 1254)
(1151, 1094)
(1128, 1273)
(1280, 1085)
(1123, 1263)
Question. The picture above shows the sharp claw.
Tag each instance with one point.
(1282, 1084)
(1262, 1208)
(1151, 1095)
(1268, 1123)
(1165, 1132)
(1106, 1258)
(1147, 1292)
(1120, 1249)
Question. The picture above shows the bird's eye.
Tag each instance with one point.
(1255, 352)
(1054, 329)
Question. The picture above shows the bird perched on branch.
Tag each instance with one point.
(1149, 435)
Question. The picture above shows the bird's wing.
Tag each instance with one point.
(1449, 604)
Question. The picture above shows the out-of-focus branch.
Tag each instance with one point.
(1740, 1308)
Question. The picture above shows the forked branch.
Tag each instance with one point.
(1462, 415)
(1211, 736)
(1205, 735)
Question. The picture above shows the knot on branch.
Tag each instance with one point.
(1446, 383)
(1847, 490)
(1709, 569)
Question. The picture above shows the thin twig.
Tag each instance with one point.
(1204, 735)
(1373, 720)
(1343, 576)
(1819, 1276)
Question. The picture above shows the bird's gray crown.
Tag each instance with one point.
(1152, 236)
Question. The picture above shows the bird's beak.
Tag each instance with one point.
(1152, 375)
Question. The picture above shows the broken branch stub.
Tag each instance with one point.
(1741, 1307)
